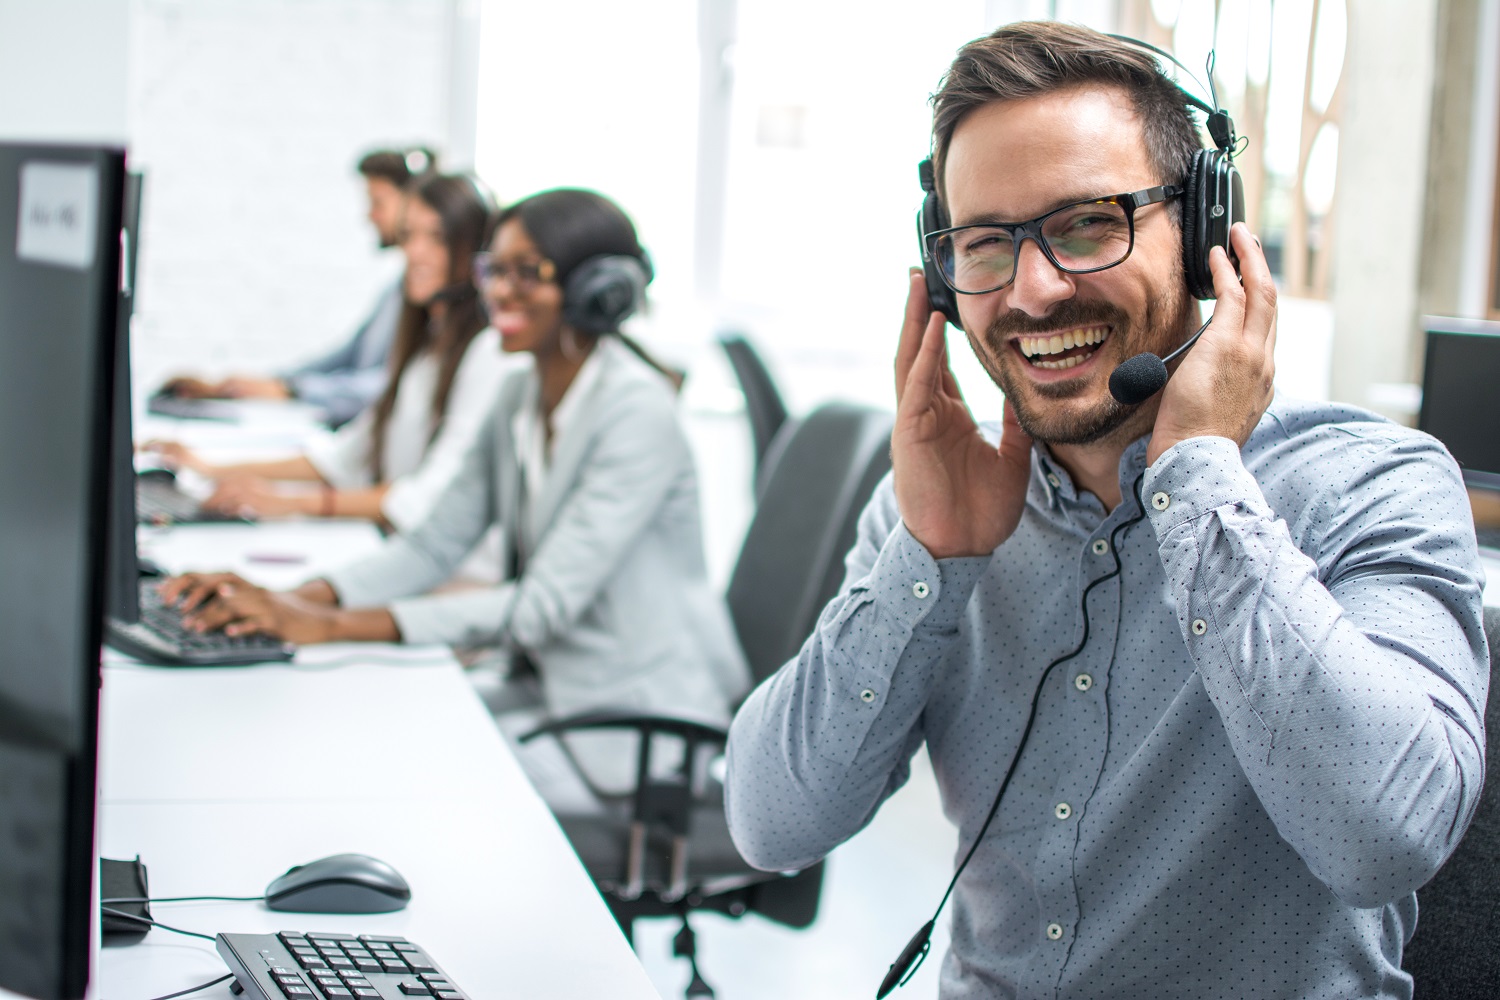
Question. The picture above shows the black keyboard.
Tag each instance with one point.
(296, 966)
(158, 500)
(159, 637)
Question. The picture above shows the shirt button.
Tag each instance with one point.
(920, 589)
(1083, 682)
(1160, 501)
(1199, 626)
(1100, 546)
(1054, 932)
(867, 696)
(1053, 481)
(1063, 810)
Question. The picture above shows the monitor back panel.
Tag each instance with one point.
(59, 281)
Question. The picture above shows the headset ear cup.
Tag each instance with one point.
(602, 292)
(1194, 253)
(940, 297)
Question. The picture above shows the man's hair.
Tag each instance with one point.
(1031, 58)
(399, 166)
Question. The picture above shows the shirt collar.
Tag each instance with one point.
(1058, 487)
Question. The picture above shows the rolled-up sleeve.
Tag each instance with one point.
(1351, 680)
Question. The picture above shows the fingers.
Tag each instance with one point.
(912, 329)
(925, 379)
(1015, 443)
(235, 607)
(190, 590)
(1255, 278)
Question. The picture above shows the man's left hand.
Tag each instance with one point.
(1223, 385)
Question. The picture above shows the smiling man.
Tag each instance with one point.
(1202, 679)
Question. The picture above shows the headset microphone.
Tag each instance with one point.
(1143, 376)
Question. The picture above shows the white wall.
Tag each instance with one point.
(62, 70)
(248, 117)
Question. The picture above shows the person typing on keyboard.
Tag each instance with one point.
(585, 468)
(390, 464)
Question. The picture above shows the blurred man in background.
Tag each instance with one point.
(345, 381)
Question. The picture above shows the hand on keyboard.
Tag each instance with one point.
(227, 601)
(253, 497)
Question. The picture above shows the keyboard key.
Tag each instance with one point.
(384, 939)
(448, 995)
(398, 968)
(414, 989)
(366, 964)
(366, 991)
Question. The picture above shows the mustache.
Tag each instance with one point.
(1071, 313)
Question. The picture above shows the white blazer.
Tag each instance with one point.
(613, 605)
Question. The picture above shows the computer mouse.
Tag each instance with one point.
(343, 883)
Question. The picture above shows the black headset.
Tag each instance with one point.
(1213, 199)
(604, 291)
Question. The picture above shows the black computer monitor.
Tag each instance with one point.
(59, 283)
(1459, 403)
(122, 595)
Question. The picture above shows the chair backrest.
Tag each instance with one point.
(762, 400)
(1453, 956)
(791, 563)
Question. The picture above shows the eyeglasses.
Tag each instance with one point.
(1086, 236)
(524, 275)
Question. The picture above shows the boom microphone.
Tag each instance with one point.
(1143, 376)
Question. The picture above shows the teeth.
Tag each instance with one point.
(1057, 343)
(1061, 364)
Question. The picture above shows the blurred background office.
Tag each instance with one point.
(767, 150)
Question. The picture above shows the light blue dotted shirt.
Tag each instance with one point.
(1272, 738)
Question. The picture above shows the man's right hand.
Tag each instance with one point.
(959, 495)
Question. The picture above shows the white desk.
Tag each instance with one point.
(221, 779)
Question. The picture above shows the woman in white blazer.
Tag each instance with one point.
(391, 462)
(586, 470)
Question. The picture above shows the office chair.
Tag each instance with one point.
(1453, 954)
(664, 849)
(762, 400)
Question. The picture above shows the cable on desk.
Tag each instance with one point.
(181, 899)
(154, 923)
(195, 989)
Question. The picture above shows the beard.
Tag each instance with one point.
(1041, 408)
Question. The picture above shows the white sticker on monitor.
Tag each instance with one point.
(59, 203)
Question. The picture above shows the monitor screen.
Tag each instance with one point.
(59, 286)
(1458, 395)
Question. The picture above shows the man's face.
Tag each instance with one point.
(387, 207)
(1011, 161)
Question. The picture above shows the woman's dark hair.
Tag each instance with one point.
(570, 225)
(466, 213)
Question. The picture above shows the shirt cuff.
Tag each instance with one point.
(918, 590)
(1195, 477)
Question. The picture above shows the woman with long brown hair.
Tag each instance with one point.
(390, 463)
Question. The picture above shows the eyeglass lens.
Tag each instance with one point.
(524, 274)
(1082, 237)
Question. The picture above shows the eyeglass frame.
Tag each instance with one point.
(546, 272)
(1020, 232)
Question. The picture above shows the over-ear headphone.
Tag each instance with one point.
(1213, 200)
(602, 292)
